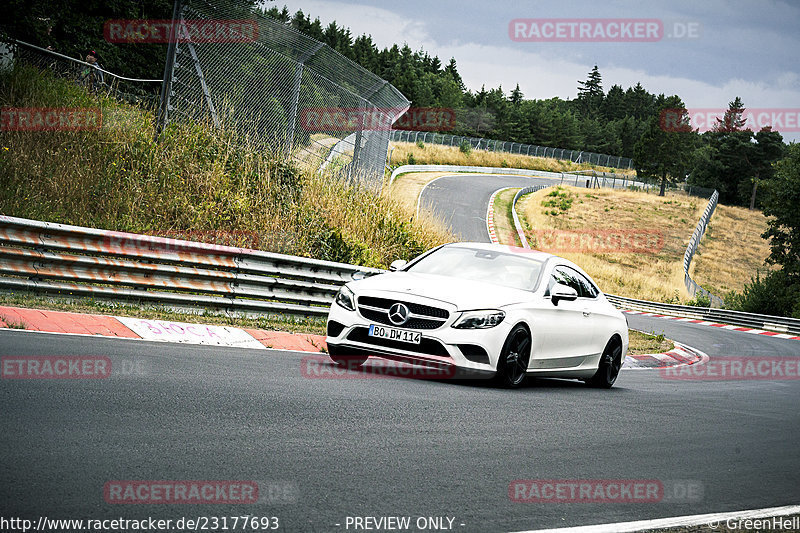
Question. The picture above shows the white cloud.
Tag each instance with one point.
(542, 75)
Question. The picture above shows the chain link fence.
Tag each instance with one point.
(265, 89)
(576, 156)
(141, 92)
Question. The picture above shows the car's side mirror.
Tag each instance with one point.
(397, 264)
(562, 292)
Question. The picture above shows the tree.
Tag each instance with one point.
(731, 172)
(614, 104)
(781, 201)
(453, 71)
(766, 151)
(733, 119)
(664, 153)
(516, 96)
(590, 94)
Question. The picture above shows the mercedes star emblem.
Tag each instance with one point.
(398, 314)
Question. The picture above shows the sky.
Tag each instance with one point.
(736, 48)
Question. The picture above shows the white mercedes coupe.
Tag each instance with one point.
(482, 309)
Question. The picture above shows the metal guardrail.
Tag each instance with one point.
(480, 170)
(110, 265)
(517, 224)
(598, 180)
(120, 267)
(694, 242)
(725, 316)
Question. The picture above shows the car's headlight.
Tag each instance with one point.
(346, 298)
(487, 318)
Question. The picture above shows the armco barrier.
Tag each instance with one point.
(591, 181)
(109, 265)
(125, 267)
(517, 223)
(694, 242)
(724, 316)
(479, 170)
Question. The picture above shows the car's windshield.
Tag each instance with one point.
(520, 271)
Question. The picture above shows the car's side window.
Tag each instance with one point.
(584, 287)
(558, 276)
(572, 278)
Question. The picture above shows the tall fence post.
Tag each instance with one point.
(169, 71)
(298, 78)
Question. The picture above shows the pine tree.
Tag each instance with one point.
(733, 120)
(590, 94)
(516, 96)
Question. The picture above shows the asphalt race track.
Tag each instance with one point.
(360, 446)
(460, 200)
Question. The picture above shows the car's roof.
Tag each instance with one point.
(536, 254)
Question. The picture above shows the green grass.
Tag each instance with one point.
(194, 180)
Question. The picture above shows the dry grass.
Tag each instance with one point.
(731, 251)
(406, 188)
(196, 180)
(641, 343)
(655, 274)
(435, 154)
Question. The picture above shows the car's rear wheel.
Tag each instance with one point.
(608, 369)
(346, 359)
(513, 363)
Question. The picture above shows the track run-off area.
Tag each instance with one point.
(326, 448)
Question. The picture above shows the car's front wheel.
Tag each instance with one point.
(608, 369)
(341, 357)
(513, 362)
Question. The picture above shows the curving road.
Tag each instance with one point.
(378, 447)
(391, 447)
(461, 200)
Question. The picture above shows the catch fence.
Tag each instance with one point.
(576, 156)
(271, 88)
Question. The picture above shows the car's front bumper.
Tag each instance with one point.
(441, 347)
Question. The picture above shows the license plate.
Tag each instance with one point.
(394, 334)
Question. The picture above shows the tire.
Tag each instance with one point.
(608, 368)
(347, 360)
(514, 358)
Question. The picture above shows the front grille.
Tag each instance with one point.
(426, 346)
(417, 309)
(377, 310)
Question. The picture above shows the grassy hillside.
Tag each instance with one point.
(655, 274)
(730, 252)
(197, 181)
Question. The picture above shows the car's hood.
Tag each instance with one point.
(464, 294)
